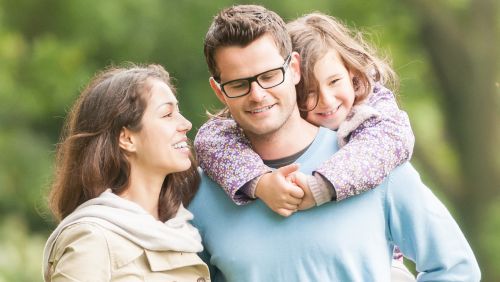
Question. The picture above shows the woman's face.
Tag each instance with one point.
(161, 144)
(334, 91)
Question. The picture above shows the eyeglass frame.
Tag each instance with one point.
(251, 79)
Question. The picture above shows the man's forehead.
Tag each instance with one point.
(242, 61)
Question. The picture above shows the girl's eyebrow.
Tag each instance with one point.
(335, 73)
(334, 76)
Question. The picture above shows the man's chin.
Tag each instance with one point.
(259, 130)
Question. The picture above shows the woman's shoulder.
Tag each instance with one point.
(78, 248)
(95, 236)
(95, 242)
(81, 236)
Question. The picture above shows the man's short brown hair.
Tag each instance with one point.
(241, 25)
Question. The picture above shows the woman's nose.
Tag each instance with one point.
(185, 124)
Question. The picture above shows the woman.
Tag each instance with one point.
(124, 172)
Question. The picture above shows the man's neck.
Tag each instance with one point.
(295, 135)
(277, 163)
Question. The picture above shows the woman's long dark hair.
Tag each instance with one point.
(89, 159)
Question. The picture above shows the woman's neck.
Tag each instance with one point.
(144, 189)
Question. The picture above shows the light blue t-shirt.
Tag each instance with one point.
(351, 240)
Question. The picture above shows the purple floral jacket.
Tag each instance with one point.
(375, 138)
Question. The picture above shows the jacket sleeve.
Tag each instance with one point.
(81, 254)
(425, 231)
(375, 138)
(225, 154)
(214, 271)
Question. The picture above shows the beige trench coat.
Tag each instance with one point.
(89, 252)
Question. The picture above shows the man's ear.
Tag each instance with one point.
(126, 140)
(295, 67)
(217, 90)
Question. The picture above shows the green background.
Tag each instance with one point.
(445, 52)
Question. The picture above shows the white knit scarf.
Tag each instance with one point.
(131, 221)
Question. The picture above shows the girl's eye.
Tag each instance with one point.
(168, 115)
(333, 81)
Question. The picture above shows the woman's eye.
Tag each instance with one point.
(168, 115)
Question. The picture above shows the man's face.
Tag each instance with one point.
(262, 111)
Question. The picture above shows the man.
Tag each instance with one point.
(347, 241)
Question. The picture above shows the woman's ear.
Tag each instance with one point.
(126, 140)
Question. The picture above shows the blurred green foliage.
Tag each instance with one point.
(50, 49)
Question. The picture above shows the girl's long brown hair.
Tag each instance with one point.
(313, 35)
(89, 159)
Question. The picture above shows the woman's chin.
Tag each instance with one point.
(181, 166)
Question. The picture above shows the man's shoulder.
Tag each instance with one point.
(324, 145)
(328, 132)
(208, 191)
(327, 136)
(205, 182)
(404, 182)
(405, 173)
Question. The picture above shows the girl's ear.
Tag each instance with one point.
(355, 83)
(126, 140)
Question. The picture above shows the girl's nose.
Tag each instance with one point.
(326, 98)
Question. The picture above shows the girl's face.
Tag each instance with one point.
(334, 91)
(161, 144)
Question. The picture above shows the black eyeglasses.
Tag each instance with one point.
(268, 79)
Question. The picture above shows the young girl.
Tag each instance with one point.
(123, 172)
(342, 88)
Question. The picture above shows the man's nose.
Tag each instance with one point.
(257, 93)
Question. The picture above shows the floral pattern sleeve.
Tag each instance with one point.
(226, 156)
(375, 138)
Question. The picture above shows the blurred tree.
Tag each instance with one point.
(462, 41)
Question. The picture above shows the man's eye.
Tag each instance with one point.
(268, 76)
(237, 85)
